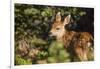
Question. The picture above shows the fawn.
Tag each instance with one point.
(78, 42)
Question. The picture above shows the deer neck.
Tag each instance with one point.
(66, 36)
(60, 37)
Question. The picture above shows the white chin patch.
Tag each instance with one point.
(89, 44)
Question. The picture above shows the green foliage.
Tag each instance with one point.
(21, 61)
(91, 54)
(42, 55)
(38, 41)
(32, 24)
(57, 53)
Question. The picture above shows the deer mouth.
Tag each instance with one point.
(53, 37)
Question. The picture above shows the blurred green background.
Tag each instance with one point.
(32, 42)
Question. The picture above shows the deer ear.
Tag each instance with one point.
(58, 17)
(67, 20)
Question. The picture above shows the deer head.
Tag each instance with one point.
(58, 27)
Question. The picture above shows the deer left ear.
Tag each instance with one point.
(67, 19)
(58, 17)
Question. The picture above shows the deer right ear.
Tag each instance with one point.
(58, 17)
(67, 19)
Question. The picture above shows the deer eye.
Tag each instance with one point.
(57, 28)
